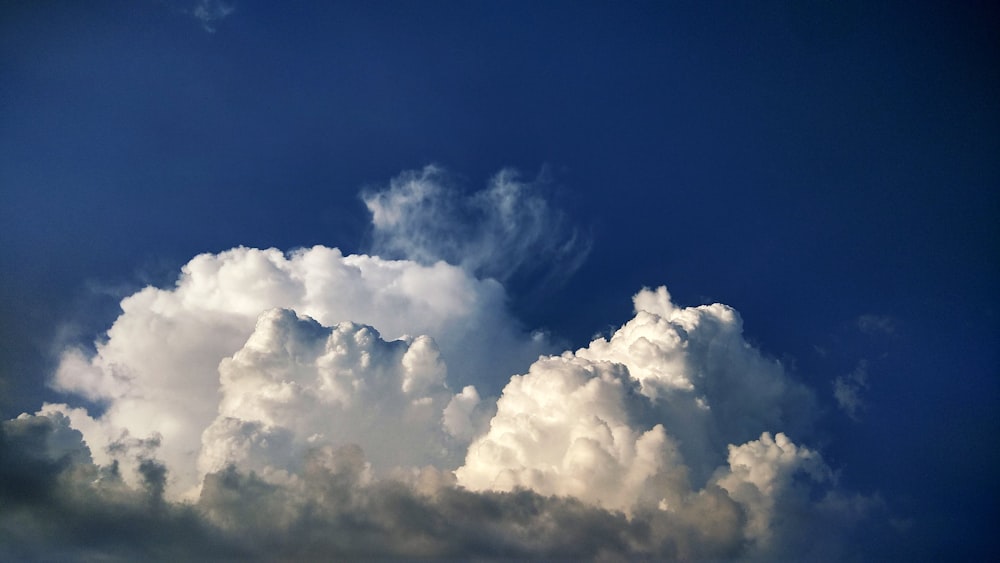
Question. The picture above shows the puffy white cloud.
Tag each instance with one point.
(709, 385)
(157, 370)
(332, 440)
(567, 428)
(668, 421)
(310, 404)
(760, 475)
(297, 385)
(502, 231)
(638, 419)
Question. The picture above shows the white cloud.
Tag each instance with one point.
(760, 474)
(704, 382)
(157, 368)
(332, 440)
(310, 404)
(648, 419)
(566, 428)
(297, 385)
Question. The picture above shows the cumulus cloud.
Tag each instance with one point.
(503, 231)
(58, 504)
(157, 369)
(297, 385)
(683, 378)
(303, 405)
(565, 428)
(673, 407)
(760, 473)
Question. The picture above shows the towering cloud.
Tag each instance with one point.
(649, 420)
(157, 371)
(277, 405)
(296, 386)
(660, 401)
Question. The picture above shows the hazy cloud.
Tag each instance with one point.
(211, 12)
(876, 324)
(208, 13)
(506, 230)
(848, 389)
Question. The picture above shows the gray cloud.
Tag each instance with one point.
(58, 505)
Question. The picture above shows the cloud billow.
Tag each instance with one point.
(157, 369)
(274, 405)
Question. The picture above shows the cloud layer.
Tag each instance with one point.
(58, 504)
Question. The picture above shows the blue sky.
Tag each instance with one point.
(829, 171)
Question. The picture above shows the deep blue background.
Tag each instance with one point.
(804, 162)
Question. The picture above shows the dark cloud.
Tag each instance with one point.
(58, 506)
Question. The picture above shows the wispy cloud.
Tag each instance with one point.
(876, 324)
(848, 390)
(504, 231)
(211, 12)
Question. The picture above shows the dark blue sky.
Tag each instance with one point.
(807, 163)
